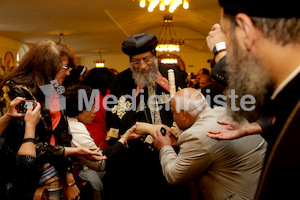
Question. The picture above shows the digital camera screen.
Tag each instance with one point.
(24, 105)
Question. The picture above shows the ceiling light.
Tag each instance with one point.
(169, 61)
(173, 4)
(60, 37)
(168, 58)
(99, 62)
(167, 39)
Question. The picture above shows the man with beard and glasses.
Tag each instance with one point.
(263, 40)
(140, 94)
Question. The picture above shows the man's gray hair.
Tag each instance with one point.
(191, 104)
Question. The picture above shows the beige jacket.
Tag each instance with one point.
(82, 138)
(223, 169)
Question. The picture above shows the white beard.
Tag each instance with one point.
(143, 80)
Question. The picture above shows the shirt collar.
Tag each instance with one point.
(285, 82)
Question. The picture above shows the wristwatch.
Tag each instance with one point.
(221, 46)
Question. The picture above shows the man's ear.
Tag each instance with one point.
(183, 115)
(247, 31)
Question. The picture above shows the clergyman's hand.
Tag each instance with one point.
(131, 133)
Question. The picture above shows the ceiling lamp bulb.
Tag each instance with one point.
(186, 5)
(152, 5)
(162, 7)
(142, 3)
(173, 4)
(169, 61)
(100, 62)
(166, 2)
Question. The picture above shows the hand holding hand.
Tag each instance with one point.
(131, 133)
(146, 128)
(85, 153)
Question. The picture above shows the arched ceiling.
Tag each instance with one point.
(90, 26)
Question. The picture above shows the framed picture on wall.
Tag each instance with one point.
(2, 72)
(9, 61)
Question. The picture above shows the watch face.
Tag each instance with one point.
(220, 46)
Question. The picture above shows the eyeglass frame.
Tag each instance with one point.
(145, 60)
(66, 67)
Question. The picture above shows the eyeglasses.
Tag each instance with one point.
(145, 60)
(66, 67)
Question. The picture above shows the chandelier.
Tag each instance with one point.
(99, 62)
(173, 4)
(168, 58)
(169, 61)
(60, 37)
(167, 39)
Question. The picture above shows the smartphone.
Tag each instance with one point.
(24, 105)
(163, 131)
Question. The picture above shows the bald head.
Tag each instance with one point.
(189, 100)
(189, 93)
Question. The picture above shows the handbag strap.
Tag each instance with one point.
(41, 194)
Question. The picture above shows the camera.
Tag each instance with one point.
(24, 105)
(163, 131)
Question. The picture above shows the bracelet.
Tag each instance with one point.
(29, 140)
(65, 153)
(70, 184)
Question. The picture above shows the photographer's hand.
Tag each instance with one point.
(11, 112)
(31, 118)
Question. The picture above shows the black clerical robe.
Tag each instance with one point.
(135, 173)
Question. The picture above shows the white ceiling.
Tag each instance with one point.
(90, 26)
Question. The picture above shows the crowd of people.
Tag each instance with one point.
(67, 132)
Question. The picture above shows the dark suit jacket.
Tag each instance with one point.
(280, 178)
